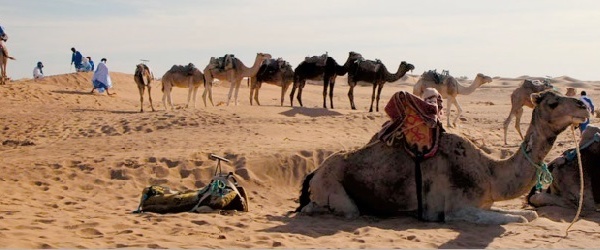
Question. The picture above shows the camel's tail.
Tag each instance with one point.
(305, 192)
(11, 58)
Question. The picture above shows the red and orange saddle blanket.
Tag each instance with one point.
(414, 125)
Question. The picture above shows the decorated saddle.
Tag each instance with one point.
(414, 125)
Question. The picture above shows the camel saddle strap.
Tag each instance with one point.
(414, 126)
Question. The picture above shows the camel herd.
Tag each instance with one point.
(280, 73)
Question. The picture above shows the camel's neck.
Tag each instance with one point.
(389, 77)
(250, 72)
(462, 90)
(519, 168)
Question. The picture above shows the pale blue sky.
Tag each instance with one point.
(499, 38)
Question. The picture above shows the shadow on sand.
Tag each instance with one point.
(111, 111)
(311, 112)
(469, 235)
(72, 92)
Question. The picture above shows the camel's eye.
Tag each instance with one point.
(553, 105)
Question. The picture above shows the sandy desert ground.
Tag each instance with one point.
(73, 166)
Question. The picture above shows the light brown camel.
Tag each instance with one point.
(460, 182)
(143, 78)
(3, 62)
(374, 72)
(449, 88)
(571, 92)
(233, 75)
(277, 72)
(182, 77)
(564, 190)
(521, 97)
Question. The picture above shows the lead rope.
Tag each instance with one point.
(580, 183)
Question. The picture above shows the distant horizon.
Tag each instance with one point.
(498, 38)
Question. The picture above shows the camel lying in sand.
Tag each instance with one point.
(564, 190)
(460, 182)
(188, 77)
(449, 88)
(143, 78)
(521, 97)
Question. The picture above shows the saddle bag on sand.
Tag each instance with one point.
(222, 193)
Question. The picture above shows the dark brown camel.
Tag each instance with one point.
(308, 70)
(143, 78)
(374, 72)
(277, 72)
(564, 190)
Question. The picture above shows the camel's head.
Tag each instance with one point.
(482, 79)
(263, 56)
(352, 57)
(571, 92)
(557, 110)
(404, 66)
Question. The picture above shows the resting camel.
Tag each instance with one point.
(374, 72)
(3, 62)
(520, 98)
(459, 182)
(564, 190)
(449, 88)
(277, 72)
(233, 75)
(143, 78)
(311, 70)
(182, 77)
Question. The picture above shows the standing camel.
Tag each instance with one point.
(182, 77)
(521, 97)
(459, 182)
(314, 70)
(3, 62)
(277, 72)
(564, 190)
(143, 78)
(374, 72)
(449, 88)
(233, 74)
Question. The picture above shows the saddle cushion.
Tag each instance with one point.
(414, 125)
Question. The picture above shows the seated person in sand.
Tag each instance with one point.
(38, 73)
(86, 66)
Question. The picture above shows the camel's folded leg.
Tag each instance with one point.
(327, 192)
(547, 199)
(488, 217)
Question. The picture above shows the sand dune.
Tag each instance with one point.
(74, 165)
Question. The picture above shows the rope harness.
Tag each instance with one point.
(543, 175)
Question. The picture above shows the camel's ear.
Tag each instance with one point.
(536, 98)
